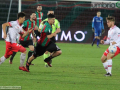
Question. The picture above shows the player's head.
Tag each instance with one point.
(33, 16)
(21, 17)
(98, 13)
(50, 12)
(51, 18)
(39, 8)
(110, 21)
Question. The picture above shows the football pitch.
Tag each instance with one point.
(78, 68)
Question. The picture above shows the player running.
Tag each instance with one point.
(38, 20)
(113, 39)
(27, 40)
(45, 44)
(97, 28)
(55, 27)
(15, 28)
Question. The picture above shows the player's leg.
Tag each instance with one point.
(31, 47)
(56, 52)
(109, 61)
(95, 37)
(22, 57)
(8, 52)
(39, 50)
(98, 38)
(104, 62)
(12, 56)
(28, 63)
(46, 55)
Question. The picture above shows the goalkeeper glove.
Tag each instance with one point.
(93, 30)
(103, 31)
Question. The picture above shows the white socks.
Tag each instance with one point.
(109, 65)
(2, 59)
(105, 64)
(22, 59)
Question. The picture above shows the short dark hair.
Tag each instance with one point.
(51, 16)
(111, 18)
(50, 10)
(20, 14)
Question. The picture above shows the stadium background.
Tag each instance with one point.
(75, 17)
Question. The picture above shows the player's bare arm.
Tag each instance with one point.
(53, 34)
(113, 43)
(58, 29)
(36, 27)
(4, 29)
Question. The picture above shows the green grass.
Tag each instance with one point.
(78, 68)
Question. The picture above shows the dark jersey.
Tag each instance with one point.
(46, 30)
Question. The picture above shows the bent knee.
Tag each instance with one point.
(103, 60)
(59, 52)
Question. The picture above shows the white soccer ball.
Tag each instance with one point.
(112, 49)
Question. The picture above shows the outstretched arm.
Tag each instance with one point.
(4, 29)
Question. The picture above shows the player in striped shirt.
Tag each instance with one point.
(55, 27)
(27, 41)
(38, 20)
(45, 44)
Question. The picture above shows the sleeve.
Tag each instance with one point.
(58, 24)
(107, 41)
(118, 34)
(42, 24)
(93, 21)
(102, 24)
(12, 23)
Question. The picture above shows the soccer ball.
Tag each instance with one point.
(112, 49)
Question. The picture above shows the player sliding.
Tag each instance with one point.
(113, 39)
(15, 28)
(45, 44)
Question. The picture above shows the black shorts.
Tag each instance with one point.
(40, 50)
(37, 33)
(53, 39)
(26, 43)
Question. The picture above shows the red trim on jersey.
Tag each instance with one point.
(42, 14)
(19, 23)
(113, 26)
(47, 42)
(10, 24)
(39, 18)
